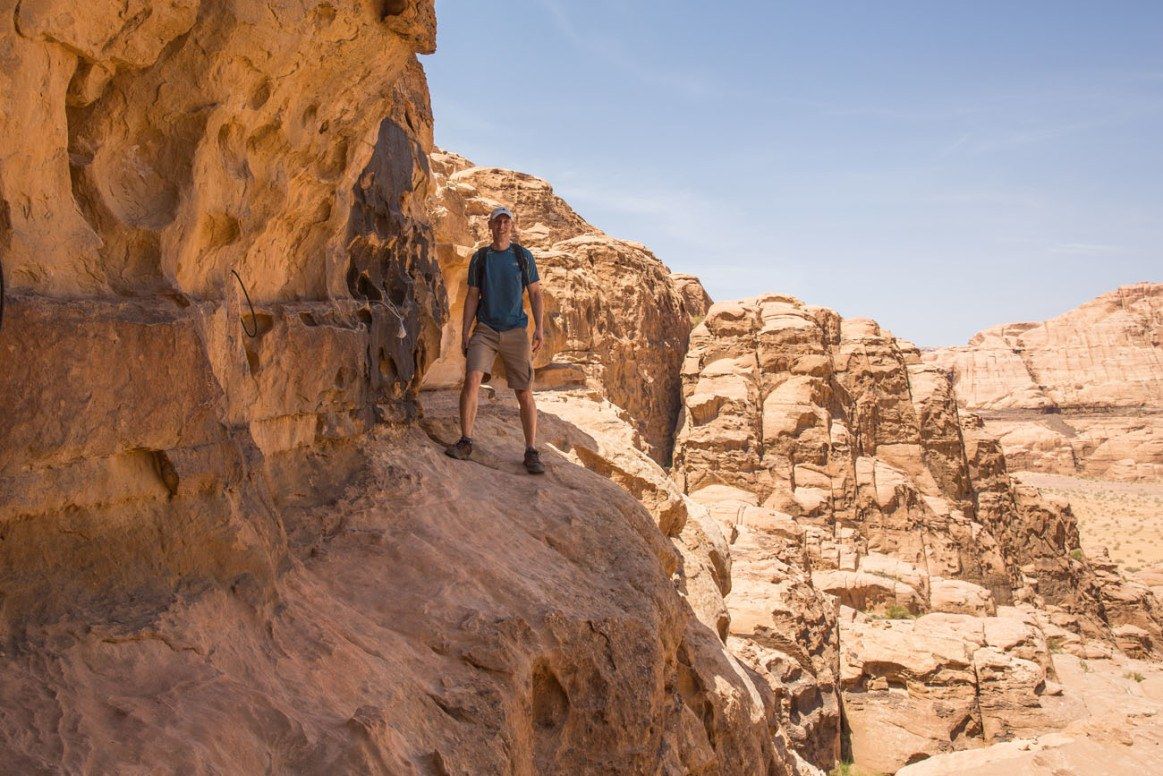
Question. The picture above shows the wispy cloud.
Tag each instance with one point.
(955, 146)
(1086, 249)
(1021, 137)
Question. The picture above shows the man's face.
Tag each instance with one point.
(502, 228)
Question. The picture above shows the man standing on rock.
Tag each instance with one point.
(498, 276)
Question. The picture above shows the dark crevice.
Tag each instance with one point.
(389, 8)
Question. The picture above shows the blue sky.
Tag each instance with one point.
(939, 166)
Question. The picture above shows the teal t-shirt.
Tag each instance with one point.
(501, 308)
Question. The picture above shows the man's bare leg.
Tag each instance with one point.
(528, 416)
(468, 401)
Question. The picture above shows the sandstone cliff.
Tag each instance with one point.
(1078, 394)
(227, 545)
(161, 150)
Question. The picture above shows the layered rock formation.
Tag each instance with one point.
(833, 429)
(1078, 394)
(614, 319)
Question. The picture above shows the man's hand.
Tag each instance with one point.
(538, 340)
(464, 338)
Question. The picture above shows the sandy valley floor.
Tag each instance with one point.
(1124, 517)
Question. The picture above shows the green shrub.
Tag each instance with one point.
(898, 612)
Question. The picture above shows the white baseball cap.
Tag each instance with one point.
(498, 212)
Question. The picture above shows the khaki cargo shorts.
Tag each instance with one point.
(514, 349)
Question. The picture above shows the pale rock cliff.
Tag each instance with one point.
(836, 437)
(1081, 393)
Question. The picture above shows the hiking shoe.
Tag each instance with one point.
(533, 463)
(461, 451)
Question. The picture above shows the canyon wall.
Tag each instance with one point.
(230, 540)
(1079, 394)
(825, 447)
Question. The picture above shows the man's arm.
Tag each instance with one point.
(470, 313)
(535, 303)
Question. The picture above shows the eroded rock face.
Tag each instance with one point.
(745, 730)
(782, 627)
(166, 147)
(406, 635)
(1078, 394)
(1111, 714)
(614, 319)
(817, 417)
(695, 298)
(904, 506)
(943, 682)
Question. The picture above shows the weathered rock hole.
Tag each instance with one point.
(392, 8)
(252, 360)
(219, 230)
(550, 701)
(323, 212)
(387, 368)
(259, 323)
(397, 290)
(368, 289)
(324, 14)
(165, 470)
(261, 95)
(308, 319)
(262, 141)
(365, 316)
(334, 162)
(178, 298)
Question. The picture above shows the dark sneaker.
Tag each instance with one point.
(461, 451)
(533, 463)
